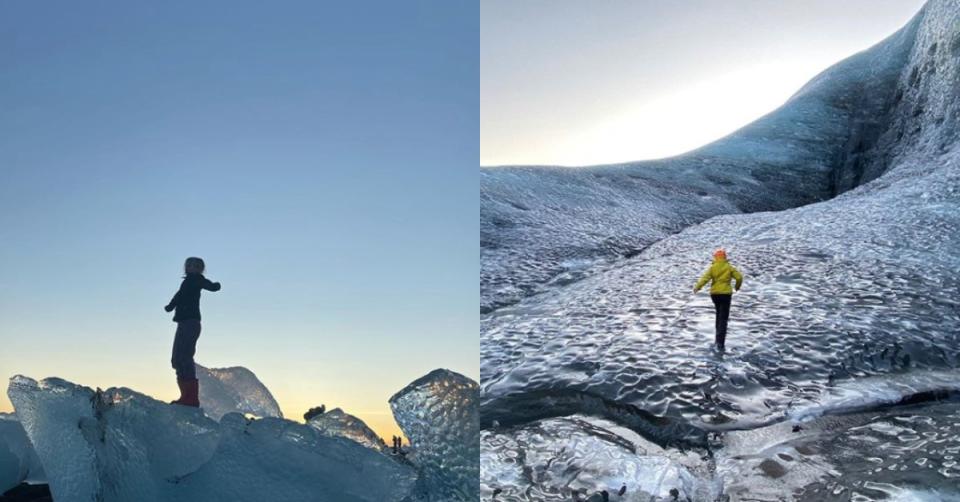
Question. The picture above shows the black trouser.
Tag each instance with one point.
(722, 305)
(184, 347)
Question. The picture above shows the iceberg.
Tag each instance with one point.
(236, 389)
(338, 423)
(439, 413)
(120, 445)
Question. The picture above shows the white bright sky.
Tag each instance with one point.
(564, 82)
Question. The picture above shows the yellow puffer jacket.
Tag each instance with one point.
(720, 272)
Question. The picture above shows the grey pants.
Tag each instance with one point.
(184, 347)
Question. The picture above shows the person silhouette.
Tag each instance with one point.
(186, 302)
(720, 274)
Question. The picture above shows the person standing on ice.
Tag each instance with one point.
(720, 274)
(187, 304)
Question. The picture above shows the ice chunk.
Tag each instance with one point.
(337, 423)
(439, 413)
(50, 413)
(225, 390)
(18, 461)
(275, 459)
(119, 445)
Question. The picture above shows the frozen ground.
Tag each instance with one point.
(847, 329)
(120, 445)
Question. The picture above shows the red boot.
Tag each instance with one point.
(182, 384)
(191, 396)
(189, 393)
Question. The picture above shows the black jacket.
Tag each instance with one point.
(187, 299)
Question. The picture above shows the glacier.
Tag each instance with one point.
(842, 208)
(119, 445)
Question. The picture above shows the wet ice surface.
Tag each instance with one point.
(848, 322)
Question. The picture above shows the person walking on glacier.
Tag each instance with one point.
(720, 273)
(187, 304)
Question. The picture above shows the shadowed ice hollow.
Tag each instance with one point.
(18, 461)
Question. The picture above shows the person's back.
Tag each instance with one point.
(719, 275)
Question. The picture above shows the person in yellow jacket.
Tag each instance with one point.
(721, 272)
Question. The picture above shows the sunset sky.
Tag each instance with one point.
(565, 82)
(320, 158)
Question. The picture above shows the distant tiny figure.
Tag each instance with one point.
(187, 304)
(720, 273)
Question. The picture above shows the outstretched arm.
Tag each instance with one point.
(210, 286)
(173, 301)
(703, 281)
(738, 277)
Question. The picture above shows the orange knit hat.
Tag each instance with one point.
(720, 253)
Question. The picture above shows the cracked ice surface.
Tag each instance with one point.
(119, 445)
(339, 423)
(439, 413)
(552, 458)
(236, 389)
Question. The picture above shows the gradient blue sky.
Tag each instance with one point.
(321, 157)
(570, 82)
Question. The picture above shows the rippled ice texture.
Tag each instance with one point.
(861, 285)
(439, 414)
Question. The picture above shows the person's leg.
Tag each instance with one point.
(716, 323)
(723, 317)
(184, 348)
(176, 358)
(192, 397)
(189, 349)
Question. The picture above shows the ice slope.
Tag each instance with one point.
(119, 445)
(236, 389)
(880, 450)
(447, 450)
(851, 304)
(541, 226)
(18, 461)
(338, 423)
